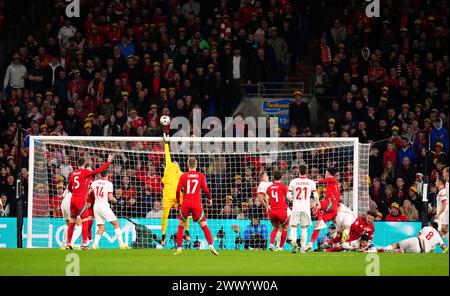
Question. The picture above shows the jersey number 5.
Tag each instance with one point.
(77, 183)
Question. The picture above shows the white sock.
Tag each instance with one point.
(278, 238)
(119, 235)
(76, 234)
(64, 238)
(388, 248)
(303, 236)
(293, 235)
(446, 238)
(97, 239)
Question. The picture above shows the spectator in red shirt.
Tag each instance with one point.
(395, 215)
(390, 154)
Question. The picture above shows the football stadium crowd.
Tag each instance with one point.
(123, 64)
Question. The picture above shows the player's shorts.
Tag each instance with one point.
(302, 218)
(198, 215)
(78, 207)
(65, 208)
(278, 217)
(91, 212)
(344, 220)
(103, 213)
(170, 202)
(443, 219)
(411, 245)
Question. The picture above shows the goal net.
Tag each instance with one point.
(232, 165)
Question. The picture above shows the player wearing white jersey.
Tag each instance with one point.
(65, 209)
(300, 190)
(442, 211)
(261, 193)
(103, 190)
(344, 220)
(425, 241)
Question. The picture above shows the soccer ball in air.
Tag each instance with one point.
(164, 120)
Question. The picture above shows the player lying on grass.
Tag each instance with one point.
(172, 174)
(361, 226)
(344, 220)
(103, 191)
(300, 190)
(328, 205)
(425, 241)
(191, 184)
(277, 210)
(442, 211)
(78, 186)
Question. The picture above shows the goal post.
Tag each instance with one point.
(231, 165)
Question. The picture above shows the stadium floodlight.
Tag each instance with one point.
(231, 165)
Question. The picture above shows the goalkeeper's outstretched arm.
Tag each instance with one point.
(167, 149)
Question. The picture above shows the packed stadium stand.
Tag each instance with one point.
(120, 66)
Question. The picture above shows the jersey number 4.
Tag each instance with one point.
(274, 194)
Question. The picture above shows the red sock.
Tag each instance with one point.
(90, 223)
(180, 235)
(84, 232)
(314, 236)
(283, 238)
(273, 234)
(70, 232)
(207, 233)
(333, 249)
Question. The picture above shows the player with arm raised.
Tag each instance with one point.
(191, 184)
(172, 174)
(425, 241)
(300, 190)
(78, 186)
(103, 191)
(442, 211)
(328, 206)
(277, 210)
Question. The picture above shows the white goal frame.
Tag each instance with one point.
(33, 139)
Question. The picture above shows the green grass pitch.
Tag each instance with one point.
(198, 263)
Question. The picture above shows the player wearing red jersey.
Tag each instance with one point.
(328, 205)
(363, 225)
(277, 209)
(78, 186)
(191, 183)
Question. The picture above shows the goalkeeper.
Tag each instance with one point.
(172, 173)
